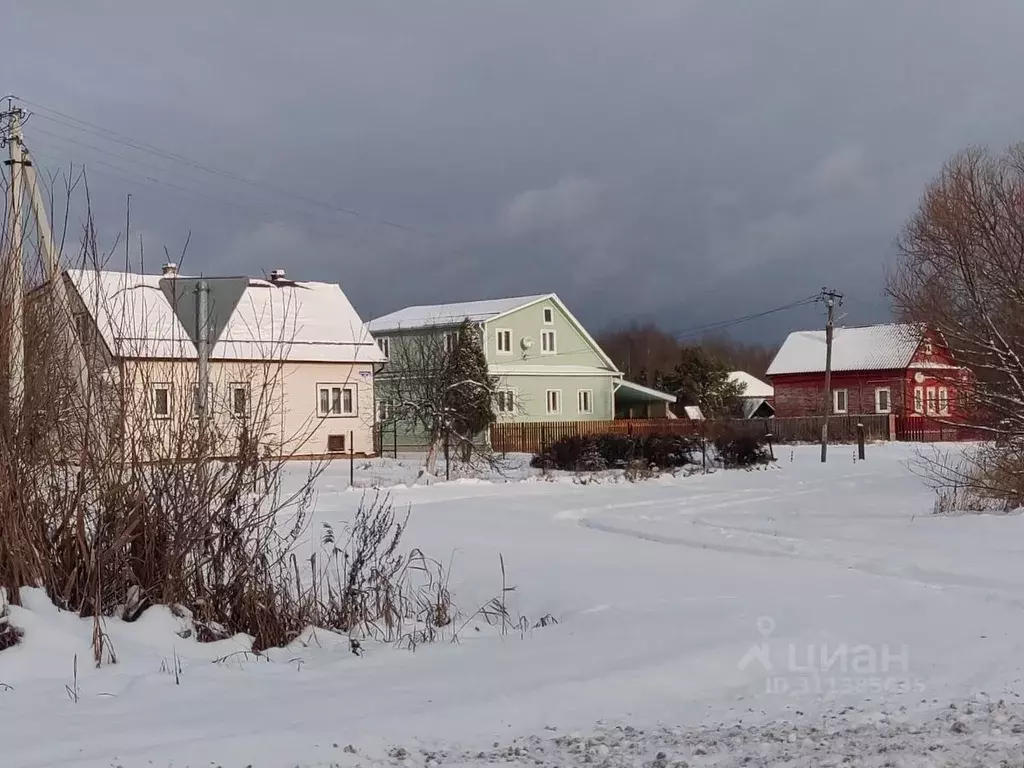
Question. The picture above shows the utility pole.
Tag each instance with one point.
(14, 270)
(831, 299)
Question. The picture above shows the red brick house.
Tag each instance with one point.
(894, 368)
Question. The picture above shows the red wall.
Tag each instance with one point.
(804, 394)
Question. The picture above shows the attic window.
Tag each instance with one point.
(549, 316)
(927, 347)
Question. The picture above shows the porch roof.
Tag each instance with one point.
(631, 392)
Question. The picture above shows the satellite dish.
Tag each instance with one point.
(918, 377)
(526, 342)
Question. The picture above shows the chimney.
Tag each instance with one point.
(170, 269)
(276, 275)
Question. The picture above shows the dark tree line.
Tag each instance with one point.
(697, 373)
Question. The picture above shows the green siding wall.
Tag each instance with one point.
(571, 348)
(531, 397)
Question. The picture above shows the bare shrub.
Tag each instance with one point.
(10, 635)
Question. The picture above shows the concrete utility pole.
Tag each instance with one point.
(831, 299)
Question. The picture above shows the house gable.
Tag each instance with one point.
(543, 332)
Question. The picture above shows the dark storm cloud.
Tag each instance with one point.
(675, 161)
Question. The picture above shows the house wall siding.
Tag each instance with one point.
(571, 346)
(531, 397)
(283, 399)
(804, 395)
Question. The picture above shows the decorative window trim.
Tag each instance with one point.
(548, 347)
(918, 399)
(835, 401)
(161, 386)
(931, 401)
(329, 412)
(943, 401)
(506, 334)
(505, 401)
(233, 388)
(588, 406)
(557, 402)
(878, 400)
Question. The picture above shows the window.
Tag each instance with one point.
(549, 316)
(918, 400)
(547, 342)
(85, 327)
(585, 400)
(384, 411)
(943, 401)
(335, 400)
(335, 443)
(840, 400)
(926, 347)
(554, 401)
(504, 341)
(505, 401)
(160, 401)
(451, 341)
(385, 345)
(239, 393)
(931, 401)
(883, 403)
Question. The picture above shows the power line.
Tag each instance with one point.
(70, 121)
(722, 324)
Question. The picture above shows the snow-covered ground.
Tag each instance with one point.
(807, 612)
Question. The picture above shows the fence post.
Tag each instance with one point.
(860, 441)
(351, 460)
(447, 459)
(768, 439)
(396, 439)
(543, 439)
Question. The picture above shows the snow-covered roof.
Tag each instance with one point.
(752, 386)
(866, 348)
(296, 321)
(433, 315)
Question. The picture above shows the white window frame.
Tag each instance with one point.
(835, 401)
(548, 315)
(153, 389)
(546, 347)
(505, 401)
(588, 395)
(329, 412)
(878, 400)
(931, 401)
(943, 401)
(919, 400)
(558, 402)
(234, 387)
(385, 346)
(499, 334)
(451, 340)
(927, 348)
(385, 410)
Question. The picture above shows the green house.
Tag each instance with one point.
(548, 366)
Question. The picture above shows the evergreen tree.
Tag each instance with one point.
(702, 380)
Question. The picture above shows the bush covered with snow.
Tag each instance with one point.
(742, 449)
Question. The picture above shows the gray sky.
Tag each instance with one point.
(678, 161)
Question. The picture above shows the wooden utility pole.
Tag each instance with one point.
(14, 270)
(831, 299)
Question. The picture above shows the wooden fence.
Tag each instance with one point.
(530, 437)
(921, 429)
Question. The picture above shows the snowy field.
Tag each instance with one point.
(808, 614)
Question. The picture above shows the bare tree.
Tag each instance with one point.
(436, 387)
(961, 273)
